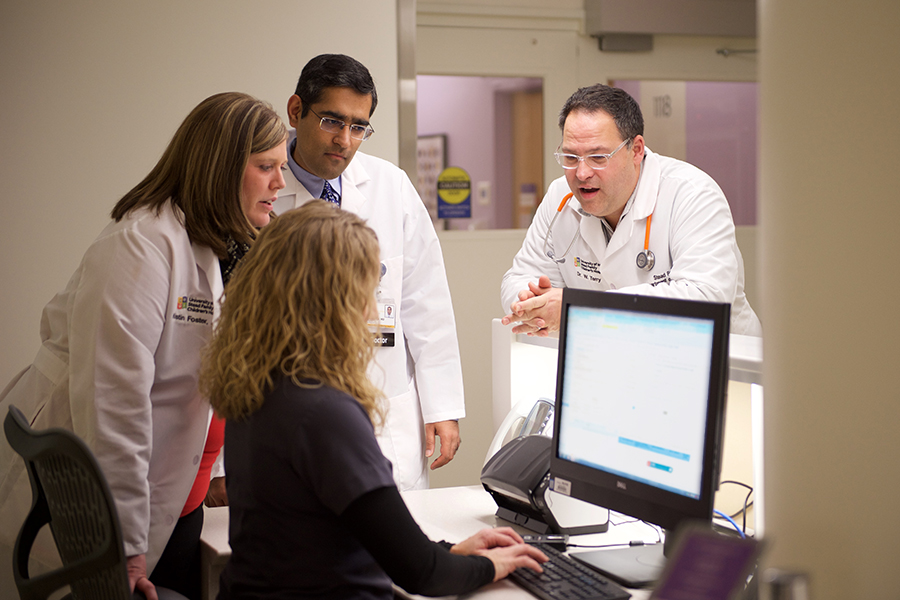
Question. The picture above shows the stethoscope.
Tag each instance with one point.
(645, 258)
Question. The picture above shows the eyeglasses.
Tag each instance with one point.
(598, 162)
(357, 132)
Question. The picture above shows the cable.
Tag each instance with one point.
(746, 504)
(621, 545)
(730, 520)
(655, 528)
(742, 511)
(625, 544)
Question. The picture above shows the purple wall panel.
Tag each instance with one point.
(721, 140)
(463, 109)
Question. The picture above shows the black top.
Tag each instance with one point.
(314, 512)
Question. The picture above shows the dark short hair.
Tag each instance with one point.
(334, 70)
(615, 102)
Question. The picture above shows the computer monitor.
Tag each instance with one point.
(640, 405)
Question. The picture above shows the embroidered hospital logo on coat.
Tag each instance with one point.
(586, 265)
(197, 311)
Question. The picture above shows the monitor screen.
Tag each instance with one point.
(640, 404)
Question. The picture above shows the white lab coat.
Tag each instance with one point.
(421, 375)
(118, 365)
(691, 234)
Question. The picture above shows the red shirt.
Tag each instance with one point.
(214, 440)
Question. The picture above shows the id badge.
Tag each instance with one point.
(387, 319)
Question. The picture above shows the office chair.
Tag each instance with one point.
(70, 494)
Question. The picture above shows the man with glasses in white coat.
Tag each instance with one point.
(626, 219)
(417, 362)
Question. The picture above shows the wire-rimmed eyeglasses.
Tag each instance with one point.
(357, 132)
(598, 162)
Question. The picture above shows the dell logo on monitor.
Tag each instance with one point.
(621, 485)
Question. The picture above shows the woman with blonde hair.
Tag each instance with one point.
(121, 344)
(314, 510)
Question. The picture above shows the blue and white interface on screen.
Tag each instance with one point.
(635, 394)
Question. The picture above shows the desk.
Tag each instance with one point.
(450, 514)
(453, 514)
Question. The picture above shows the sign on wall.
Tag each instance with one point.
(431, 153)
(454, 189)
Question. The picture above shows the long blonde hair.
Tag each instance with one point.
(297, 307)
(202, 169)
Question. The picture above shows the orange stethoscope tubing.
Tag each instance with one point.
(549, 251)
(645, 258)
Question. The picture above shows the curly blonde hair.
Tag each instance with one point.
(298, 307)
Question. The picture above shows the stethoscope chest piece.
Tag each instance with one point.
(645, 260)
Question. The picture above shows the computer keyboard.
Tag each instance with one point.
(563, 577)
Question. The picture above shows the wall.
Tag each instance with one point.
(92, 92)
(463, 109)
(710, 124)
(476, 261)
(722, 140)
(827, 81)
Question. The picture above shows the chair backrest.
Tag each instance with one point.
(72, 496)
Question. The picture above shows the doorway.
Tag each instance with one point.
(491, 127)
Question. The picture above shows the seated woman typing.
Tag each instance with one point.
(314, 509)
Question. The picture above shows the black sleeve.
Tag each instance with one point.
(381, 521)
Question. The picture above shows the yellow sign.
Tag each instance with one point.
(454, 185)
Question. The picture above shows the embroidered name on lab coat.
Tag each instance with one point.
(198, 311)
(662, 278)
(587, 270)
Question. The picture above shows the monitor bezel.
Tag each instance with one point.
(664, 508)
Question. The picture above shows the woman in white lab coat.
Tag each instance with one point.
(121, 347)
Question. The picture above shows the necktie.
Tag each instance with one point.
(330, 195)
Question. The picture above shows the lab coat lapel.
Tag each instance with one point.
(292, 196)
(353, 184)
(644, 203)
(353, 180)
(621, 235)
(592, 233)
(648, 188)
(208, 263)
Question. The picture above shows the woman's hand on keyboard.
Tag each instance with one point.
(505, 548)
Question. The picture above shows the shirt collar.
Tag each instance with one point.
(314, 185)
